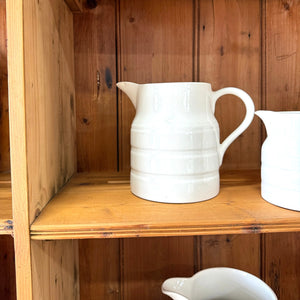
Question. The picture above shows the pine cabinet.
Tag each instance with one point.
(78, 231)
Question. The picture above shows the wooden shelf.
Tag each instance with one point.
(93, 206)
(6, 222)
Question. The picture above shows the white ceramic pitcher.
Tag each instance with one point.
(218, 284)
(175, 144)
(280, 158)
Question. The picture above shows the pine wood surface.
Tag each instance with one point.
(6, 220)
(75, 5)
(96, 105)
(164, 53)
(55, 266)
(147, 262)
(94, 207)
(50, 139)
(7, 263)
(4, 123)
(100, 266)
(229, 54)
(42, 122)
(16, 80)
(282, 55)
(281, 261)
(50, 99)
(235, 251)
(281, 63)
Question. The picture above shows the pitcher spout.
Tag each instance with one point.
(130, 89)
(177, 288)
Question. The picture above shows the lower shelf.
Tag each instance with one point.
(93, 206)
(6, 222)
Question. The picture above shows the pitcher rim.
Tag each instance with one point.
(176, 82)
(288, 112)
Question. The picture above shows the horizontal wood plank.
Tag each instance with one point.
(92, 206)
(6, 222)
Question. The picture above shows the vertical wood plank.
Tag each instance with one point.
(55, 269)
(147, 262)
(281, 264)
(7, 263)
(230, 53)
(16, 79)
(281, 92)
(50, 99)
(95, 51)
(282, 57)
(4, 123)
(152, 48)
(99, 269)
(234, 251)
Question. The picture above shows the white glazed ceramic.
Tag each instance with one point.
(280, 159)
(218, 284)
(175, 145)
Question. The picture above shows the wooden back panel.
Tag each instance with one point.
(225, 43)
(281, 91)
(4, 123)
(96, 105)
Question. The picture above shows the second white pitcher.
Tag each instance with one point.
(175, 142)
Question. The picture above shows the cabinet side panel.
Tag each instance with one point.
(99, 269)
(152, 48)
(230, 55)
(50, 99)
(281, 264)
(7, 263)
(147, 262)
(4, 123)
(95, 75)
(55, 270)
(15, 56)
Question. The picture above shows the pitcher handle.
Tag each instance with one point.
(247, 120)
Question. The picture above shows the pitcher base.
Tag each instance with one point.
(175, 189)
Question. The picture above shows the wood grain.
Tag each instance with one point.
(230, 54)
(152, 48)
(102, 210)
(234, 251)
(99, 269)
(147, 262)
(75, 5)
(50, 104)
(55, 264)
(6, 220)
(282, 56)
(4, 122)
(40, 38)
(16, 79)
(281, 264)
(281, 92)
(95, 52)
(7, 263)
